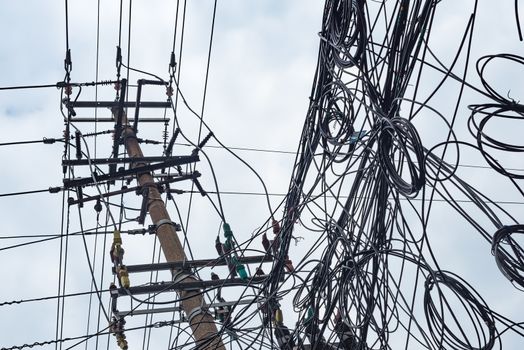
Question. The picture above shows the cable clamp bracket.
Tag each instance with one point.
(179, 276)
(161, 222)
(197, 311)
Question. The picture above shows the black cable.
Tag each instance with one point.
(24, 87)
(23, 301)
(22, 193)
(84, 338)
(294, 153)
(44, 140)
(364, 187)
(517, 19)
(220, 209)
(355, 128)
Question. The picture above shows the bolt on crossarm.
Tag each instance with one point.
(201, 322)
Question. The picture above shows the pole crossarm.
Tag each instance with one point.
(141, 168)
(189, 283)
(188, 264)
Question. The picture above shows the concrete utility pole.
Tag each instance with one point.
(201, 322)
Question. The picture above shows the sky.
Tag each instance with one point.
(262, 64)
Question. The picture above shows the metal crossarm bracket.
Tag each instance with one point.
(98, 161)
(177, 308)
(176, 286)
(195, 264)
(169, 180)
(111, 120)
(115, 104)
(137, 170)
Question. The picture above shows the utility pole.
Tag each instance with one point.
(200, 320)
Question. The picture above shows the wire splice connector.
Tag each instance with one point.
(123, 276)
(282, 334)
(117, 256)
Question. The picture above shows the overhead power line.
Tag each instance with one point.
(22, 193)
(23, 87)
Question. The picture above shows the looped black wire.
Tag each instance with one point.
(398, 140)
(503, 109)
(481, 65)
(345, 30)
(480, 316)
(509, 255)
(336, 122)
(484, 141)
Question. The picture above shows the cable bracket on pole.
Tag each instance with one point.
(166, 222)
(197, 311)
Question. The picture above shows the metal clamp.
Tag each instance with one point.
(167, 222)
(197, 311)
(181, 275)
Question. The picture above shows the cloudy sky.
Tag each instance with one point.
(262, 64)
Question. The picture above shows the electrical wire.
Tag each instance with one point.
(364, 189)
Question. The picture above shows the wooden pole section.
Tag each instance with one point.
(201, 322)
